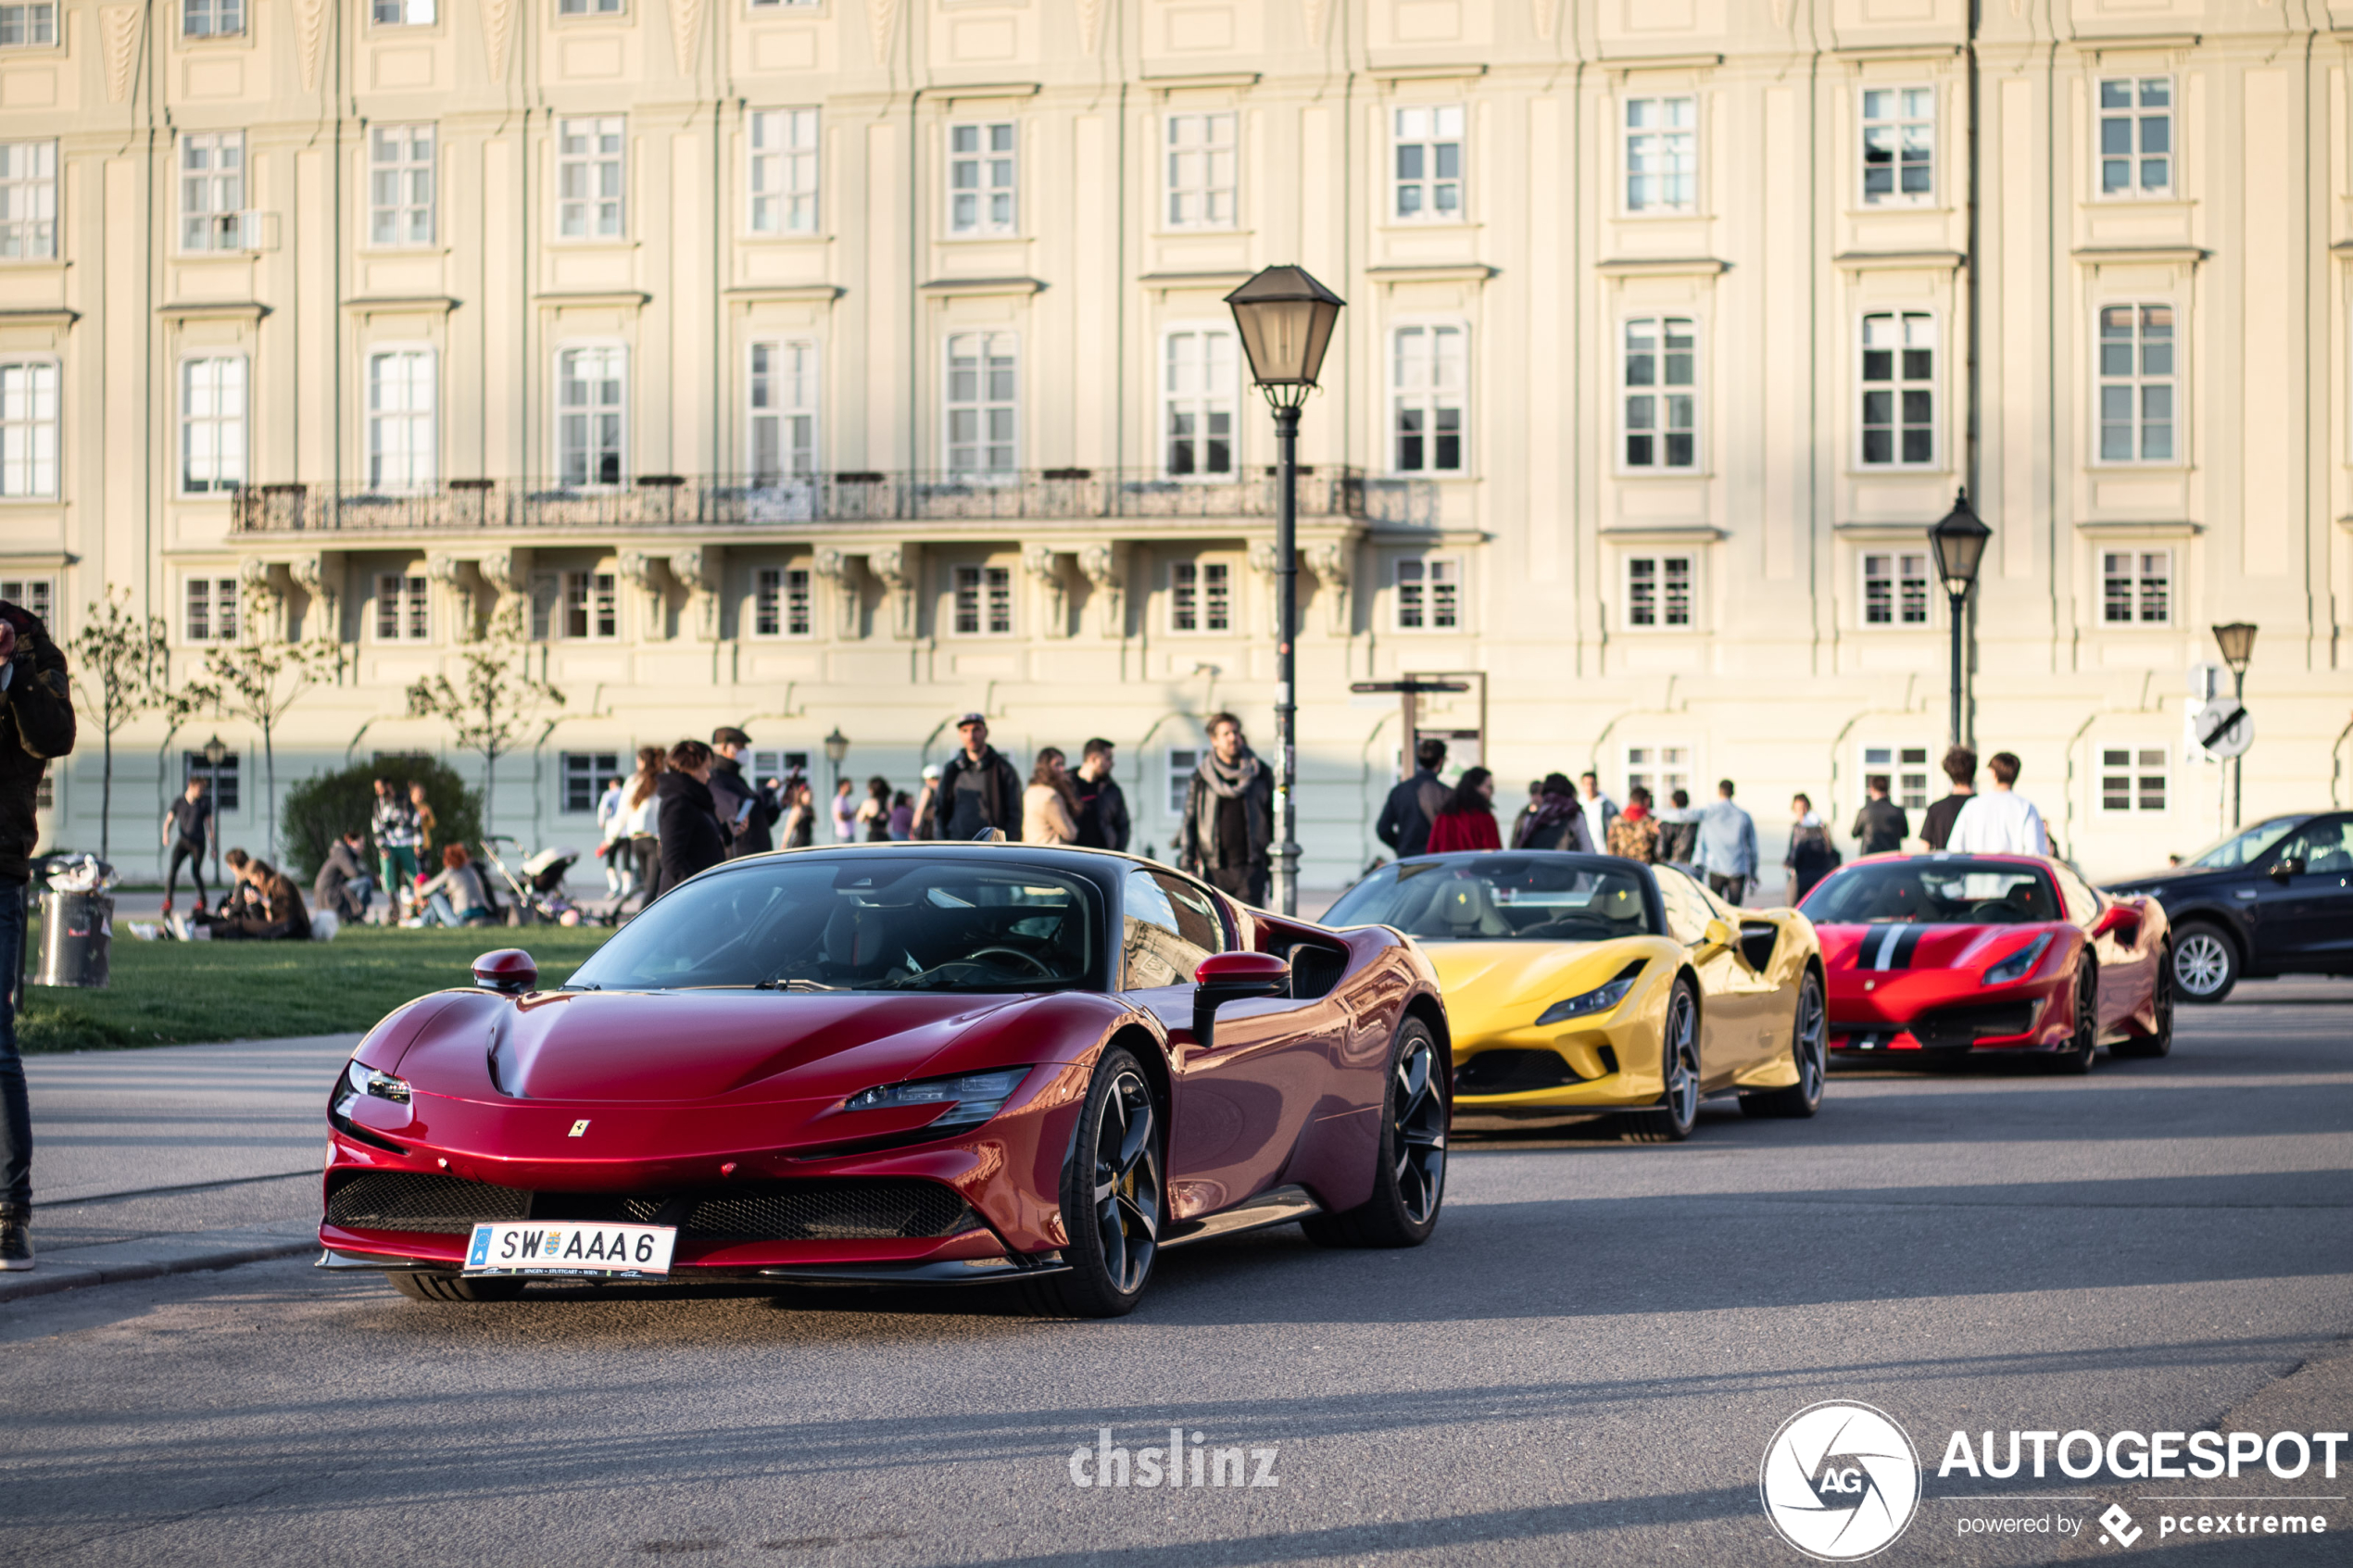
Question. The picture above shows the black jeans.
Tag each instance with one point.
(1247, 883)
(191, 851)
(1728, 888)
(16, 1108)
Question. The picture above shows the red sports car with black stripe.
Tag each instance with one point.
(1944, 955)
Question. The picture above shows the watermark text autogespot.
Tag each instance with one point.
(1175, 1464)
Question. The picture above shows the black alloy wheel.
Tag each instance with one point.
(2076, 1058)
(456, 1287)
(1114, 1197)
(1409, 1175)
(1677, 1110)
(2158, 1041)
(2205, 962)
(1809, 1049)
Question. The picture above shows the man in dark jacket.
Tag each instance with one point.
(978, 789)
(747, 830)
(36, 723)
(1412, 804)
(1229, 816)
(687, 823)
(341, 886)
(1557, 821)
(1880, 826)
(1102, 810)
(1936, 824)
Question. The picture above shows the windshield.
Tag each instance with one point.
(862, 923)
(1500, 898)
(1939, 892)
(2243, 848)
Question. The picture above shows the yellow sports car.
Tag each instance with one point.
(1584, 983)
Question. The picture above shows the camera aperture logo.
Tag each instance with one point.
(1840, 1481)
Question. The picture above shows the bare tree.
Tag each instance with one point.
(492, 706)
(258, 682)
(121, 672)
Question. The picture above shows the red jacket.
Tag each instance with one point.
(1463, 830)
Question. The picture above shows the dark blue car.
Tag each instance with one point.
(2273, 898)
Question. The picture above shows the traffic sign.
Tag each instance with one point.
(2221, 728)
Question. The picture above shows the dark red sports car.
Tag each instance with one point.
(941, 1063)
(2008, 953)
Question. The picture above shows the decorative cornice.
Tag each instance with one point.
(2099, 42)
(1434, 272)
(1163, 281)
(2141, 256)
(626, 299)
(213, 309)
(1422, 71)
(1897, 260)
(55, 317)
(988, 89)
(753, 293)
(387, 305)
(1863, 52)
(2168, 528)
(1201, 79)
(1662, 267)
(1660, 62)
(1663, 534)
(983, 285)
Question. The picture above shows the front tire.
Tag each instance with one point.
(456, 1287)
(2205, 962)
(1678, 1069)
(1114, 1199)
(1409, 1173)
(1809, 1046)
(2158, 1041)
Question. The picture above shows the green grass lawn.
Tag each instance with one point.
(172, 993)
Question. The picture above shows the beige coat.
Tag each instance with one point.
(1045, 816)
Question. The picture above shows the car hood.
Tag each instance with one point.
(2175, 879)
(1902, 945)
(1490, 985)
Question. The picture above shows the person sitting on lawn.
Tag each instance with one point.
(455, 897)
(278, 914)
(238, 899)
(343, 883)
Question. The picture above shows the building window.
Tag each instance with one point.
(778, 765)
(28, 27)
(592, 610)
(1896, 587)
(1661, 393)
(1429, 145)
(1899, 145)
(590, 387)
(28, 201)
(588, 7)
(1662, 155)
(981, 172)
(400, 185)
(782, 172)
(2136, 587)
(588, 177)
(1658, 591)
(1662, 769)
(211, 609)
(222, 777)
(1898, 387)
(1202, 170)
(2133, 778)
(401, 613)
(984, 601)
(1183, 764)
(585, 775)
(212, 191)
(784, 411)
(1906, 770)
(28, 427)
(1198, 386)
(2136, 383)
(400, 420)
(2136, 136)
(211, 18)
(982, 383)
(1429, 594)
(35, 594)
(1428, 377)
(778, 5)
(1201, 597)
(212, 425)
(780, 603)
(402, 13)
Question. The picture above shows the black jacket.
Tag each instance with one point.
(1405, 821)
(729, 790)
(1103, 813)
(327, 888)
(1000, 793)
(691, 841)
(1882, 826)
(36, 723)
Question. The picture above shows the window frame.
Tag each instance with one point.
(1660, 776)
(1898, 388)
(30, 188)
(599, 600)
(567, 774)
(1423, 587)
(228, 231)
(241, 421)
(35, 10)
(1658, 393)
(373, 421)
(981, 404)
(2139, 380)
(1662, 582)
(238, 12)
(406, 19)
(591, 203)
(783, 415)
(1190, 577)
(1205, 402)
(1897, 198)
(1627, 132)
(25, 594)
(409, 606)
(1431, 399)
(1432, 180)
(557, 410)
(2135, 776)
(405, 171)
(216, 585)
(591, 9)
(992, 582)
(984, 155)
(33, 425)
(1899, 578)
(2138, 592)
(1901, 770)
(788, 158)
(1180, 776)
(2135, 116)
(1207, 189)
(789, 594)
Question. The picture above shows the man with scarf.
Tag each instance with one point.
(1556, 821)
(1229, 815)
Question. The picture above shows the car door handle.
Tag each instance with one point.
(2245, 893)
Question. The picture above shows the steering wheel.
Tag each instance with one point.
(1030, 959)
(1994, 911)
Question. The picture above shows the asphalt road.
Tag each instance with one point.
(1585, 1365)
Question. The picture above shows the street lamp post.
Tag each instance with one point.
(1286, 320)
(214, 755)
(836, 748)
(1958, 540)
(2237, 643)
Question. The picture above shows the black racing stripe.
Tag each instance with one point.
(1867, 951)
(1906, 945)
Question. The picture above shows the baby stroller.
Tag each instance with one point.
(536, 895)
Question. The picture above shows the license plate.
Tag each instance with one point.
(570, 1248)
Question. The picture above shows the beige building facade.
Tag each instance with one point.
(849, 365)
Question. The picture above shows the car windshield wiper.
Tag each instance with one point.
(796, 983)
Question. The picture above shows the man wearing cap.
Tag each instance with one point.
(729, 791)
(978, 789)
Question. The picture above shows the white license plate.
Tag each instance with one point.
(570, 1248)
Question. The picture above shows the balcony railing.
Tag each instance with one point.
(708, 502)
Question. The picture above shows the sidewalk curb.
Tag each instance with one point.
(124, 1260)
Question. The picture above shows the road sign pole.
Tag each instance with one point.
(2238, 763)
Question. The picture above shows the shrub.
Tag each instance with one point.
(319, 810)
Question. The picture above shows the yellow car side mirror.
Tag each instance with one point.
(1718, 935)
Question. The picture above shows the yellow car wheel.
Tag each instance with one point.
(1679, 1066)
(1809, 1039)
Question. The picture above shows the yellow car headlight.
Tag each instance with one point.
(1600, 999)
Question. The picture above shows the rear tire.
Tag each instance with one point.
(2076, 1060)
(2159, 1041)
(455, 1287)
(1809, 1046)
(1678, 1067)
(2205, 962)
(1409, 1169)
(1113, 1199)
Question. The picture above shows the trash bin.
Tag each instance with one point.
(77, 932)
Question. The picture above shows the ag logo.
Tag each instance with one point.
(1840, 1481)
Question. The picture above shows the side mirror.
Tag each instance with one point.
(1233, 977)
(509, 971)
(2283, 868)
(1718, 935)
(2119, 921)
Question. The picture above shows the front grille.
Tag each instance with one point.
(401, 1200)
(1957, 1028)
(1513, 1073)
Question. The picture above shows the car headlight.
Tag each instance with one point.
(2020, 964)
(1601, 1000)
(972, 1098)
(358, 1078)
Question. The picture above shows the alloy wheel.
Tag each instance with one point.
(1813, 1040)
(2201, 964)
(1418, 1138)
(1683, 1059)
(1128, 1185)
